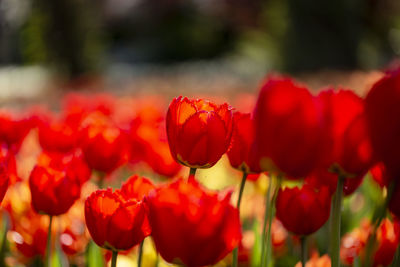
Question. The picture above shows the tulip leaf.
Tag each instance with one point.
(94, 255)
(256, 251)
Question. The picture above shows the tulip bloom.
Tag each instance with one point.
(114, 222)
(287, 128)
(136, 187)
(347, 141)
(199, 132)
(303, 210)
(104, 145)
(57, 135)
(55, 183)
(240, 153)
(202, 227)
(322, 177)
(13, 129)
(382, 106)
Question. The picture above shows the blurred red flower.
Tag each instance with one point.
(202, 227)
(114, 222)
(322, 177)
(55, 182)
(287, 128)
(57, 134)
(136, 187)
(199, 132)
(240, 153)
(304, 210)
(354, 243)
(383, 117)
(388, 236)
(13, 129)
(104, 145)
(347, 141)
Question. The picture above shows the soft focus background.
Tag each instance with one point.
(190, 46)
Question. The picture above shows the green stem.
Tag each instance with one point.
(336, 221)
(303, 241)
(48, 250)
(114, 258)
(192, 172)
(140, 254)
(267, 208)
(157, 259)
(3, 249)
(236, 249)
(270, 217)
(102, 176)
(396, 259)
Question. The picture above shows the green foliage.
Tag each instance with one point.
(94, 256)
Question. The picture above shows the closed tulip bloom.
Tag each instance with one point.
(287, 128)
(55, 184)
(199, 132)
(104, 145)
(240, 152)
(304, 210)
(347, 140)
(114, 222)
(382, 110)
(202, 227)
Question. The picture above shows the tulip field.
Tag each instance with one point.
(285, 177)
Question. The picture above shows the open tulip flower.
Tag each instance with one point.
(114, 222)
(136, 187)
(202, 227)
(199, 132)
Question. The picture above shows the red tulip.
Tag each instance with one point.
(8, 170)
(57, 135)
(240, 153)
(380, 175)
(28, 232)
(347, 139)
(199, 132)
(202, 227)
(303, 210)
(322, 177)
(158, 157)
(136, 187)
(13, 129)
(55, 183)
(114, 222)
(388, 236)
(104, 145)
(287, 128)
(383, 117)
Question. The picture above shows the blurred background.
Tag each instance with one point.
(183, 46)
